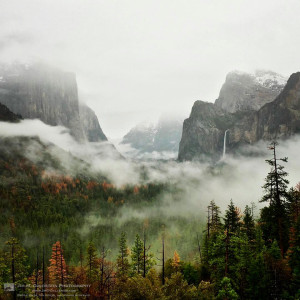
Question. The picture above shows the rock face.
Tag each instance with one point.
(7, 116)
(203, 131)
(243, 92)
(162, 137)
(141, 137)
(49, 95)
(90, 124)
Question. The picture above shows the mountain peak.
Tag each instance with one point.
(204, 131)
(249, 91)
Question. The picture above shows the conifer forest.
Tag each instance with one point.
(149, 150)
(233, 254)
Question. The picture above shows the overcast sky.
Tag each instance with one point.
(137, 59)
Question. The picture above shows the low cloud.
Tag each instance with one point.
(238, 178)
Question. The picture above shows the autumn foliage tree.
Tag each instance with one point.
(176, 261)
(58, 268)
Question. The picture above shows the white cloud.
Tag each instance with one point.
(238, 178)
(134, 59)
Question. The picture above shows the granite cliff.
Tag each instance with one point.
(203, 131)
(90, 124)
(244, 91)
(48, 94)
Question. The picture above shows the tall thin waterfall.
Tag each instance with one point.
(224, 147)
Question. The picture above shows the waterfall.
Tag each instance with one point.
(224, 147)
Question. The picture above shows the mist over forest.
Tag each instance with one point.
(65, 185)
(149, 150)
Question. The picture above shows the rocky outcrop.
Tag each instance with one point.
(7, 116)
(203, 131)
(141, 137)
(243, 92)
(90, 124)
(47, 94)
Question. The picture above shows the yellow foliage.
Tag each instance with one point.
(176, 260)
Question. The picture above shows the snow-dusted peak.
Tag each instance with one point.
(154, 139)
(249, 91)
(264, 78)
(269, 79)
(144, 127)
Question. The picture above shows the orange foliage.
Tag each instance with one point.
(91, 185)
(58, 268)
(58, 184)
(176, 260)
(136, 190)
(106, 185)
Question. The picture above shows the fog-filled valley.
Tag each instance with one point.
(149, 150)
(63, 183)
(182, 190)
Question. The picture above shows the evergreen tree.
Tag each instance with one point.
(92, 263)
(232, 219)
(232, 226)
(14, 267)
(227, 292)
(122, 260)
(248, 223)
(4, 271)
(148, 260)
(216, 223)
(257, 278)
(176, 288)
(293, 204)
(276, 182)
(294, 256)
(275, 216)
(279, 275)
(137, 255)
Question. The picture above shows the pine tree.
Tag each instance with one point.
(148, 260)
(15, 262)
(227, 292)
(232, 219)
(92, 263)
(248, 223)
(275, 216)
(122, 260)
(293, 204)
(215, 217)
(294, 255)
(276, 184)
(137, 255)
